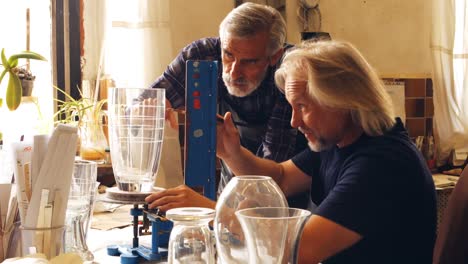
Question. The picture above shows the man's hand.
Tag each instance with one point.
(227, 138)
(171, 115)
(180, 196)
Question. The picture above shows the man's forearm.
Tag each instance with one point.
(246, 163)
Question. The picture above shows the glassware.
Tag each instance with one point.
(79, 207)
(136, 129)
(48, 241)
(93, 142)
(241, 192)
(191, 240)
(272, 233)
(89, 216)
(12, 238)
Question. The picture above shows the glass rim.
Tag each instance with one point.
(244, 213)
(190, 213)
(253, 177)
(41, 228)
(85, 162)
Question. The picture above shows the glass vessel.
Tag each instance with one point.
(136, 129)
(47, 241)
(93, 142)
(272, 233)
(79, 208)
(92, 201)
(12, 238)
(191, 240)
(241, 192)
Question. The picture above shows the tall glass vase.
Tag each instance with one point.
(272, 233)
(241, 192)
(136, 129)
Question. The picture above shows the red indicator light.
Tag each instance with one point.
(196, 104)
(196, 93)
(196, 75)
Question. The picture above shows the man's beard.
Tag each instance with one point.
(242, 87)
(320, 143)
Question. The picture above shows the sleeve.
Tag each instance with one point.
(361, 200)
(279, 143)
(307, 161)
(173, 78)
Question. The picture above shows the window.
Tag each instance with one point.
(459, 54)
(13, 38)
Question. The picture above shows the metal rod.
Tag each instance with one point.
(135, 226)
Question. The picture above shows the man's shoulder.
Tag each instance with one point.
(207, 42)
(204, 48)
(392, 154)
(390, 146)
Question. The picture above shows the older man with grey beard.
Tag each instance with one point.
(250, 48)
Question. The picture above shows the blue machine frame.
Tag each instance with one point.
(200, 126)
(200, 160)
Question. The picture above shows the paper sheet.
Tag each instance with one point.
(397, 94)
(119, 218)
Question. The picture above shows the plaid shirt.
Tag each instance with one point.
(266, 105)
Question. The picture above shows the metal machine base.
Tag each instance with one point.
(160, 231)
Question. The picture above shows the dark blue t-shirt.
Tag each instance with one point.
(381, 188)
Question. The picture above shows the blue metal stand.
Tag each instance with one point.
(200, 162)
(200, 126)
(160, 230)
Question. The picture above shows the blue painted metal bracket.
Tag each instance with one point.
(200, 126)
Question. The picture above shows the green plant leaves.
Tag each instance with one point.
(3, 74)
(5, 63)
(25, 55)
(13, 92)
(78, 110)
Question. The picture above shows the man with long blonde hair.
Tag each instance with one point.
(375, 194)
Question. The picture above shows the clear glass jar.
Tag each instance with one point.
(191, 240)
(279, 246)
(93, 142)
(241, 192)
(48, 241)
(79, 208)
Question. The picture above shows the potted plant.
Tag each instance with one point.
(87, 114)
(27, 80)
(14, 90)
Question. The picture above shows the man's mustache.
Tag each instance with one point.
(303, 130)
(238, 81)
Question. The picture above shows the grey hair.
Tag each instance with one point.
(249, 19)
(338, 76)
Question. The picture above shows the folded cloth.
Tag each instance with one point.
(444, 181)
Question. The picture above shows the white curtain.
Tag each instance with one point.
(137, 42)
(449, 49)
